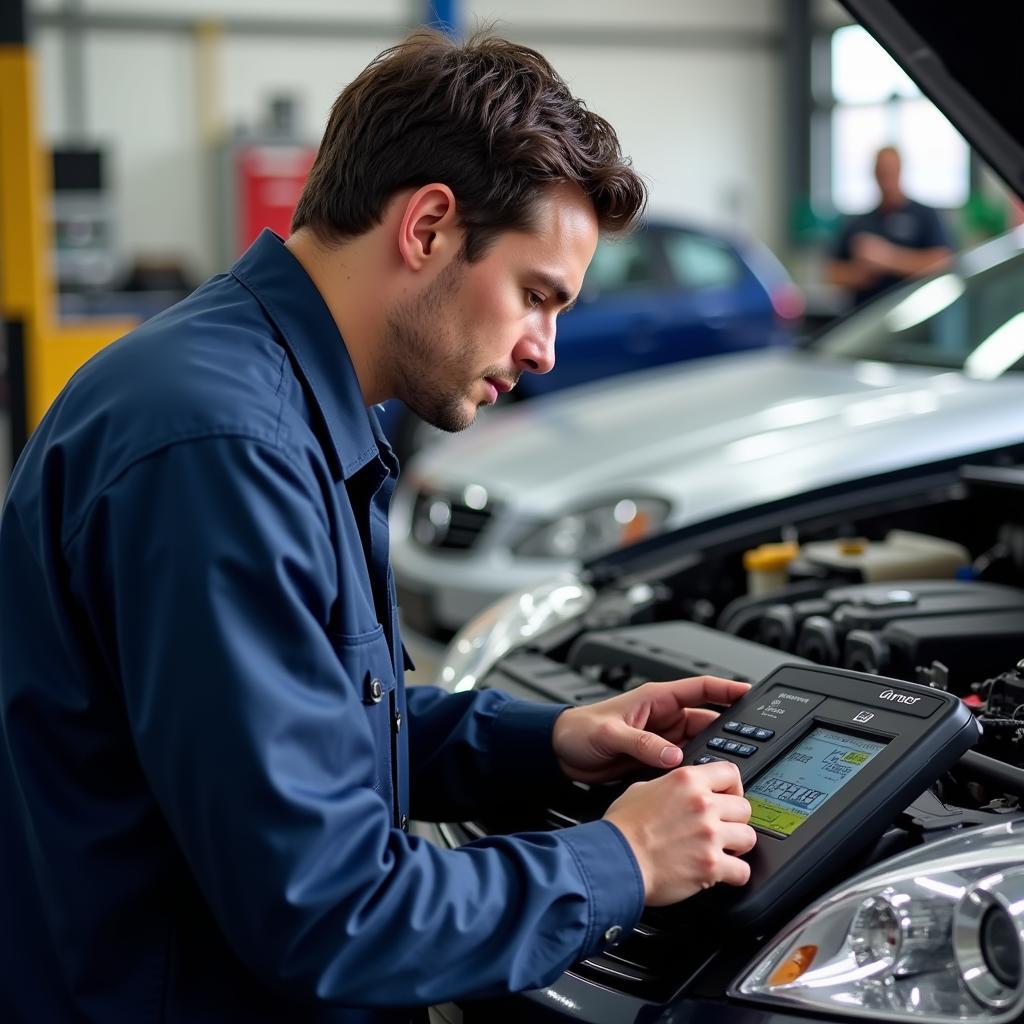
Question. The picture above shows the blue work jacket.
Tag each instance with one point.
(208, 754)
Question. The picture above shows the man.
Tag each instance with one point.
(897, 240)
(209, 755)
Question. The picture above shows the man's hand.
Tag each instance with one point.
(687, 830)
(877, 253)
(646, 726)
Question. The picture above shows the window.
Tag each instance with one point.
(700, 262)
(975, 323)
(875, 105)
(622, 264)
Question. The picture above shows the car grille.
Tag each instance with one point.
(447, 522)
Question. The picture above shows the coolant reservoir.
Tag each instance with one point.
(902, 555)
(767, 567)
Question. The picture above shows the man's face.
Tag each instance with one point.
(477, 326)
(887, 174)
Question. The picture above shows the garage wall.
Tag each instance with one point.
(748, 15)
(702, 127)
(693, 86)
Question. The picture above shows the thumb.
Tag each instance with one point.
(646, 747)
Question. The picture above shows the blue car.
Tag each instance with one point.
(662, 294)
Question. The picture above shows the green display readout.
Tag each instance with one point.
(793, 788)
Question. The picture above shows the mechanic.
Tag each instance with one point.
(897, 240)
(209, 756)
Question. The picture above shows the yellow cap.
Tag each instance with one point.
(851, 545)
(770, 557)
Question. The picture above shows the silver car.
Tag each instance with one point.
(929, 372)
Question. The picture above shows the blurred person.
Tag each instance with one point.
(899, 239)
(209, 756)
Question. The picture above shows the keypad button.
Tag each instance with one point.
(718, 743)
(707, 759)
(763, 734)
(745, 749)
(734, 726)
(731, 746)
(748, 730)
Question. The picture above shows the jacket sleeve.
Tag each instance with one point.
(207, 574)
(470, 749)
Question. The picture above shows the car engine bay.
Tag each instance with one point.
(689, 605)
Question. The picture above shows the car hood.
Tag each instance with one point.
(728, 434)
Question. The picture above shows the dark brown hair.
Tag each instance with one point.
(489, 118)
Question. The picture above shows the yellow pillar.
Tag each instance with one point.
(52, 350)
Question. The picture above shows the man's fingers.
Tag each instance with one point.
(697, 720)
(647, 748)
(689, 828)
(737, 839)
(687, 693)
(658, 717)
(732, 808)
(734, 871)
(687, 723)
(723, 777)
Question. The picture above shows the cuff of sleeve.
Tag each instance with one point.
(523, 736)
(612, 877)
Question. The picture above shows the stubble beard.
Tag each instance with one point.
(430, 361)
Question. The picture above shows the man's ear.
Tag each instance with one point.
(429, 227)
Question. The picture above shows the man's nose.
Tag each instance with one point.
(535, 352)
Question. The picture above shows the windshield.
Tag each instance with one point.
(970, 318)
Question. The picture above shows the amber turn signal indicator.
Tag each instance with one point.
(794, 965)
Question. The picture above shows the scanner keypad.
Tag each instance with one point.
(737, 747)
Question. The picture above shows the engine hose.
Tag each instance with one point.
(1002, 724)
(1004, 775)
(740, 619)
(741, 611)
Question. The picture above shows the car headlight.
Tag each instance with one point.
(511, 622)
(591, 531)
(936, 934)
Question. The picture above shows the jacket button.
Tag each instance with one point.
(613, 934)
(376, 690)
(405, 823)
(397, 721)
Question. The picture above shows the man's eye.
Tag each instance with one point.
(534, 298)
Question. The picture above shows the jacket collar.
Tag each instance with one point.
(286, 292)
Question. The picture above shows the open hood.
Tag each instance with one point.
(967, 59)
